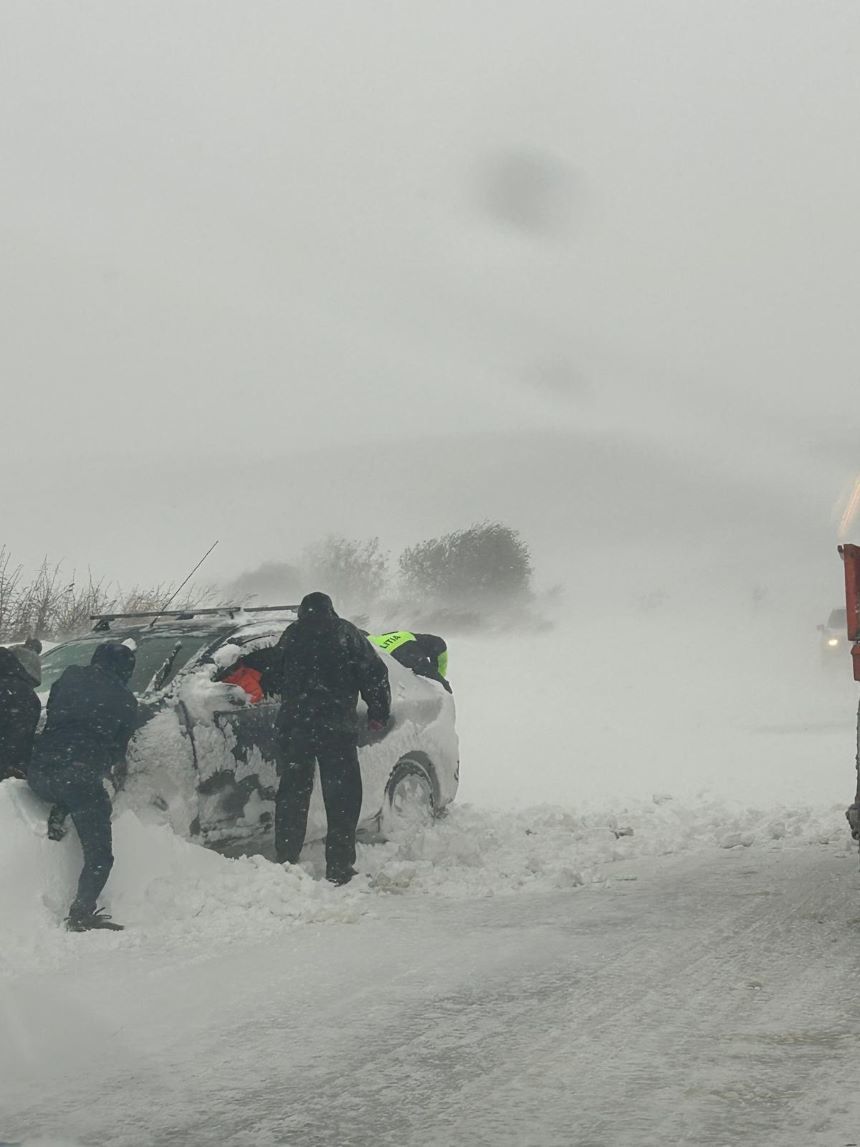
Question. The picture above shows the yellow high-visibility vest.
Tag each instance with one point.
(391, 641)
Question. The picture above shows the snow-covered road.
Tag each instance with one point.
(710, 998)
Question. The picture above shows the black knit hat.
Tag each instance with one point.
(116, 658)
(316, 609)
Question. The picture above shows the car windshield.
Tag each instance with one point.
(152, 652)
(836, 619)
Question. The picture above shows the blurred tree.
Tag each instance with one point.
(272, 583)
(486, 565)
(354, 574)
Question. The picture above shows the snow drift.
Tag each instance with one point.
(161, 885)
(173, 894)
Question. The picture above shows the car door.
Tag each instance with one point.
(235, 750)
(249, 728)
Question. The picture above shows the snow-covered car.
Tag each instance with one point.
(204, 756)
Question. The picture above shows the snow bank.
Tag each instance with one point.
(165, 889)
(474, 852)
(172, 892)
(43, 1143)
(175, 895)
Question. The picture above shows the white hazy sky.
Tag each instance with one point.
(234, 232)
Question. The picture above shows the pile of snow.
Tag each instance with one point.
(175, 895)
(162, 887)
(474, 852)
(40, 1142)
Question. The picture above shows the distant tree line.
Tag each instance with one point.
(470, 577)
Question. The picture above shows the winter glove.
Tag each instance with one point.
(57, 822)
(376, 727)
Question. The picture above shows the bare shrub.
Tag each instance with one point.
(54, 605)
(38, 601)
(353, 573)
(74, 607)
(10, 578)
(271, 583)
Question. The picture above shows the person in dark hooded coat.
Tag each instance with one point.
(28, 654)
(20, 710)
(91, 716)
(319, 667)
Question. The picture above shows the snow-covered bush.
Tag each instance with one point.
(469, 573)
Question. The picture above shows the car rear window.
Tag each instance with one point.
(152, 651)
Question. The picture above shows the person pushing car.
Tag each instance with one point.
(20, 709)
(319, 667)
(92, 714)
(424, 653)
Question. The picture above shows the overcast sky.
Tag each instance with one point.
(243, 241)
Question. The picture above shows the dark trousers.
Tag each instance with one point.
(82, 793)
(340, 780)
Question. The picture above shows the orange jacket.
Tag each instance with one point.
(249, 680)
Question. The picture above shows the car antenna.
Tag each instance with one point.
(183, 584)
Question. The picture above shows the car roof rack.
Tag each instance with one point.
(103, 620)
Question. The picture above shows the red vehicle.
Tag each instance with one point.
(851, 561)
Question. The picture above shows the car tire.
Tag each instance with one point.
(409, 803)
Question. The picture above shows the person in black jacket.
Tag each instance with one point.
(28, 654)
(91, 716)
(20, 710)
(319, 666)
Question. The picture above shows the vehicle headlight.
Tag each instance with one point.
(831, 641)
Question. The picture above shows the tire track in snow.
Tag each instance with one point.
(706, 1005)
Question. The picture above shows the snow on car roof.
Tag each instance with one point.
(273, 622)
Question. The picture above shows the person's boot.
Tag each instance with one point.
(340, 875)
(57, 827)
(852, 815)
(80, 921)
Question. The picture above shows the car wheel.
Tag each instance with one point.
(410, 799)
